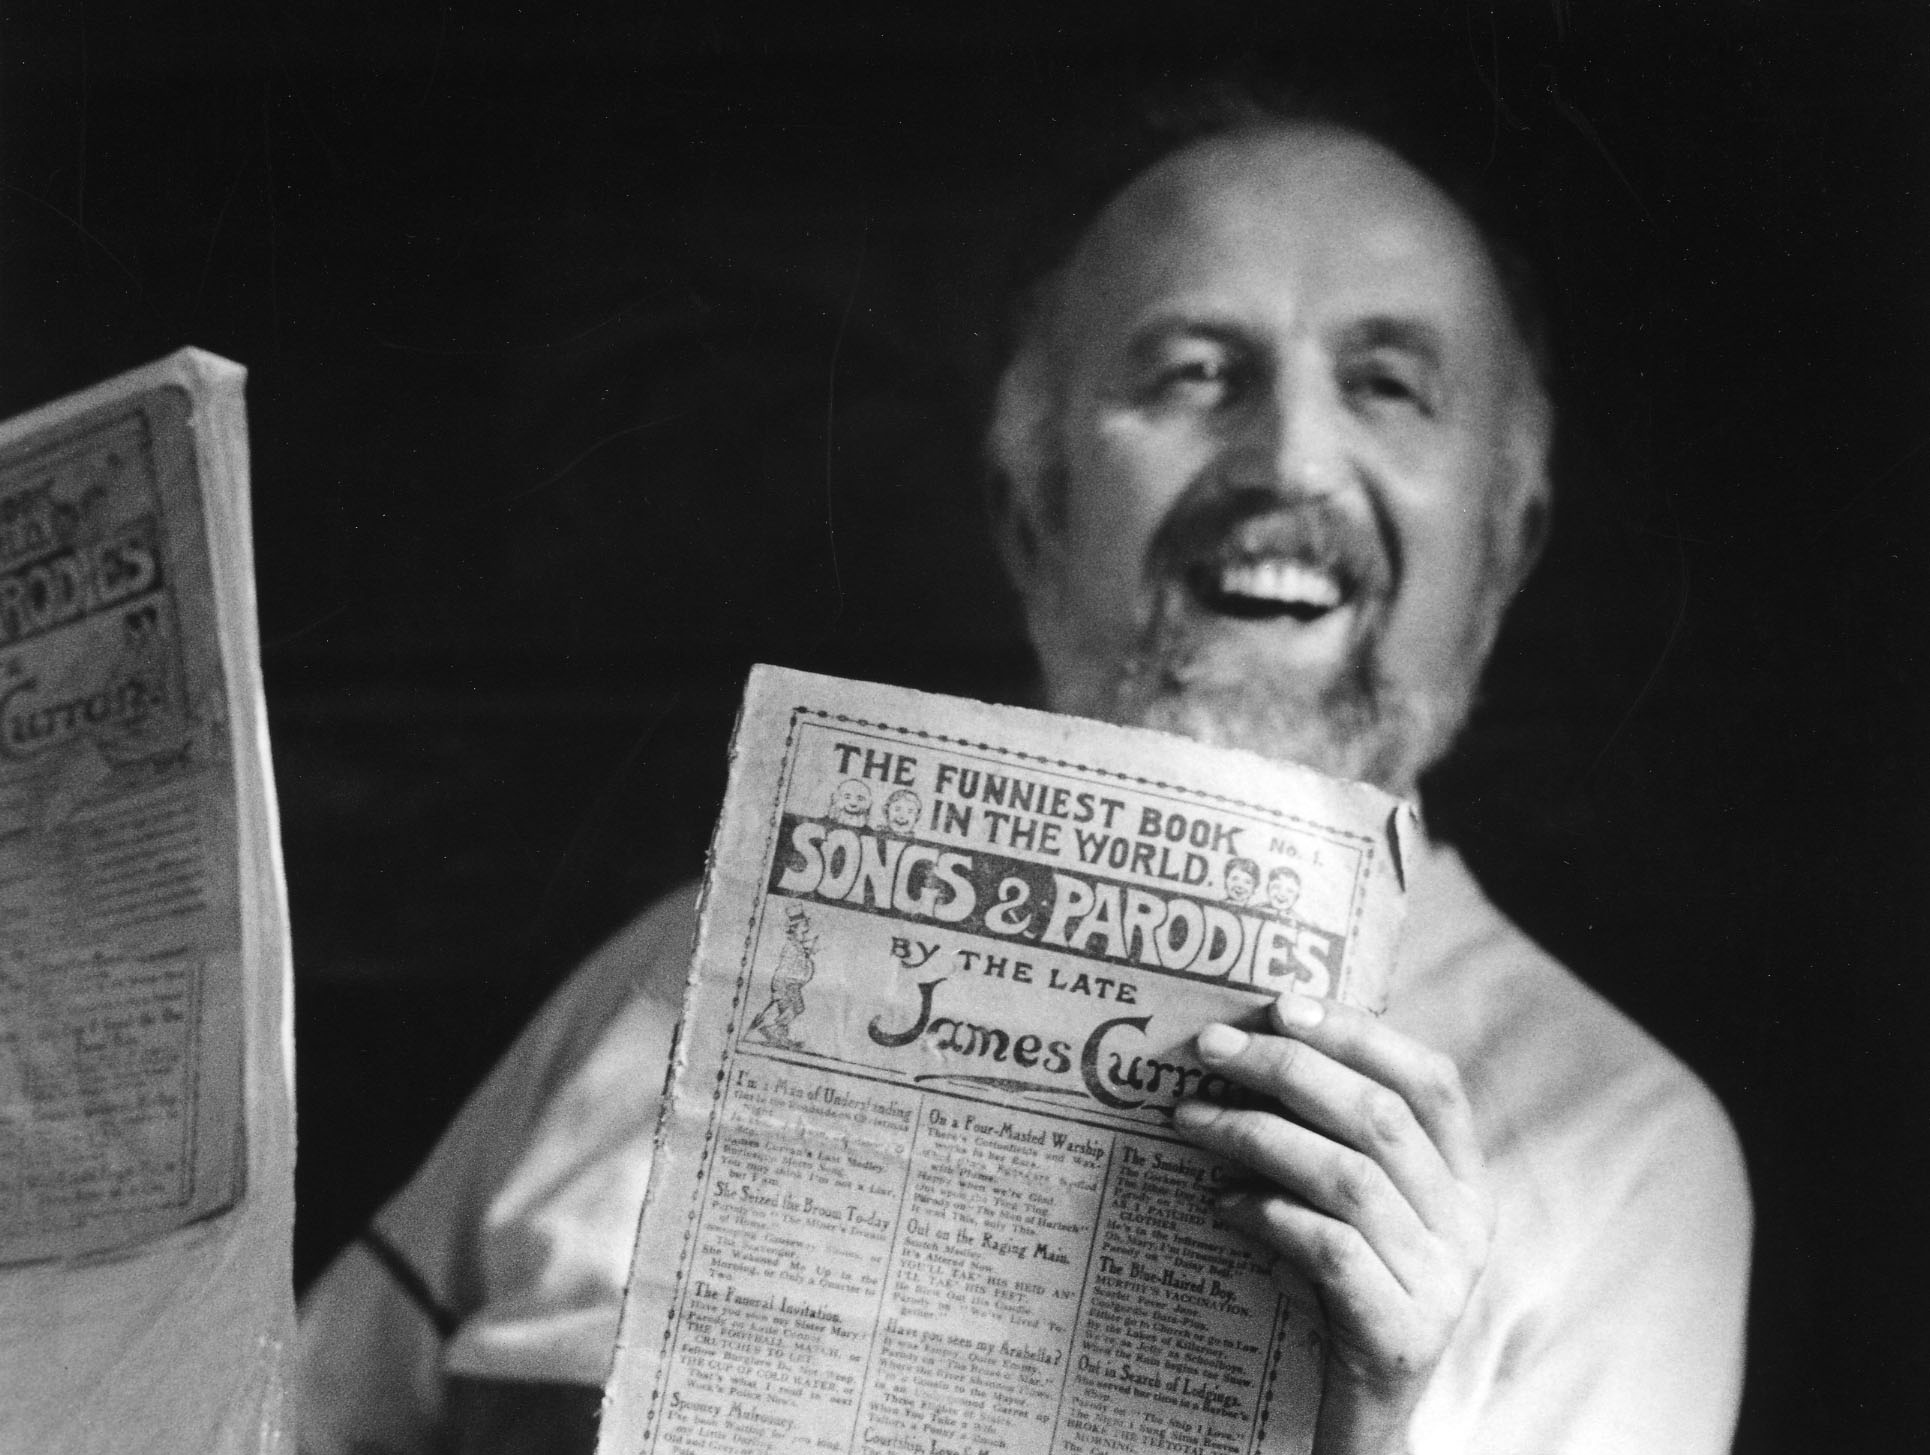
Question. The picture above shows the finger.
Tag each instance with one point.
(1334, 1180)
(1370, 1119)
(1428, 1081)
(1364, 1302)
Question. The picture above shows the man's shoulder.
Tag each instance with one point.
(569, 1120)
(1617, 1284)
(608, 1022)
(1553, 1068)
(646, 961)
(650, 954)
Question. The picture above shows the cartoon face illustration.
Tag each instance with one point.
(1242, 878)
(851, 802)
(901, 812)
(1283, 888)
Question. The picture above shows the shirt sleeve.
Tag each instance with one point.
(504, 1256)
(1639, 1347)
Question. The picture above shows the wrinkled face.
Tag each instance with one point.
(1296, 464)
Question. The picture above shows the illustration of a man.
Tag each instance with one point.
(1283, 891)
(851, 803)
(796, 964)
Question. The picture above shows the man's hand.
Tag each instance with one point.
(1374, 1191)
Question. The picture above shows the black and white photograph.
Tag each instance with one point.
(1520, 409)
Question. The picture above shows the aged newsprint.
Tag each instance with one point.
(915, 1187)
(146, 1136)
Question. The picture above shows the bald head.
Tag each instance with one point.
(1274, 454)
(1336, 206)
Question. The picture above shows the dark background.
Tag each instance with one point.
(599, 352)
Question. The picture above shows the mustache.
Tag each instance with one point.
(1213, 523)
(1356, 724)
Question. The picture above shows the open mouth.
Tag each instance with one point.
(1270, 588)
(1302, 574)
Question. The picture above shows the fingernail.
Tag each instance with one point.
(1192, 1114)
(1221, 1043)
(1299, 1012)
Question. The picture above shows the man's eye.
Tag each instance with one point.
(1386, 386)
(1198, 381)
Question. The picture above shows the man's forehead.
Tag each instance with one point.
(1315, 209)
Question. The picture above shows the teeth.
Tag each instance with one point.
(1288, 582)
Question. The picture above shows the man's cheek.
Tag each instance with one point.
(1125, 485)
(1443, 610)
(1151, 457)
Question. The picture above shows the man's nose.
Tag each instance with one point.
(1288, 439)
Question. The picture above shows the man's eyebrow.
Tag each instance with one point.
(1405, 335)
(1161, 329)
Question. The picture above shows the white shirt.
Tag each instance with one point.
(1610, 1317)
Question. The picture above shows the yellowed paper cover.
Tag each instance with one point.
(916, 1187)
(146, 1137)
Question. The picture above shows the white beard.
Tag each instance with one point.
(1360, 726)
(1182, 673)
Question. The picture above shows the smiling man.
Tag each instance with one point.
(1272, 454)
(1271, 462)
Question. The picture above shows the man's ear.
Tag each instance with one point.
(1014, 534)
(1025, 486)
(1531, 497)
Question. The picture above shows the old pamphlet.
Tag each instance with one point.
(146, 1134)
(915, 1186)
